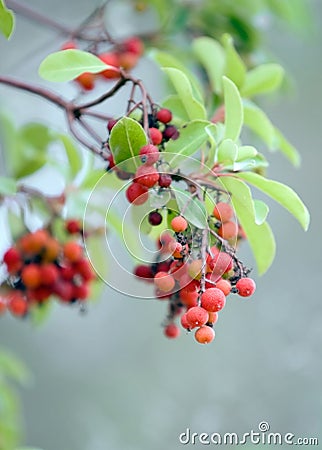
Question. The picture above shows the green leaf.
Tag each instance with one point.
(283, 194)
(234, 113)
(13, 368)
(287, 149)
(256, 162)
(165, 59)
(235, 68)
(256, 120)
(191, 208)
(211, 56)
(126, 139)
(182, 86)
(66, 65)
(191, 138)
(8, 186)
(227, 152)
(262, 79)
(7, 20)
(73, 155)
(261, 211)
(246, 152)
(260, 237)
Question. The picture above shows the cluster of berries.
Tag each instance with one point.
(38, 266)
(196, 287)
(147, 175)
(125, 55)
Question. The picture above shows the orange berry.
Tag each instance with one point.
(73, 252)
(179, 224)
(224, 285)
(212, 317)
(112, 59)
(164, 281)
(223, 212)
(31, 276)
(49, 274)
(228, 230)
(17, 304)
(204, 335)
(128, 60)
(51, 250)
(33, 243)
(86, 80)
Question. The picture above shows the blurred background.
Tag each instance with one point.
(109, 379)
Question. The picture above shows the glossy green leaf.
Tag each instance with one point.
(252, 163)
(191, 138)
(165, 59)
(246, 152)
(66, 65)
(191, 208)
(257, 121)
(260, 237)
(262, 79)
(211, 56)
(73, 155)
(7, 20)
(234, 112)
(227, 152)
(183, 87)
(8, 186)
(261, 211)
(285, 147)
(126, 139)
(283, 194)
(235, 68)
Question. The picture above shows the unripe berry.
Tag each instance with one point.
(149, 154)
(155, 136)
(73, 252)
(17, 304)
(137, 194)
(223, 212)
(213, 300)
(111, 59)
(172, 331)
(31, 276)
(246, 287)
(12, 260)
(171, 132)
(155, 218)
(179, 224)
(165, 180)
(86, 80)
(204, 335)
(164, 281)
(224, 285)
(164, 115)
(228, 230)
(195, 269)
(49, 274)
(212, 317)
(197, 316)
(147, 176)
(73, 226)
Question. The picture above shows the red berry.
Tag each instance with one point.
(213, 299)
(246, 287)
(128, 60)
(81, 292)
(155, 135)
(184, 322)
(204, 335)
(179, 224)
(64, 290)
(164, 115)
(143, 271)
(134, 45)
(86, 80)
(220, 264)
(228, 230)
(172, 331)
(223, 212)
(197, 316)
(17, 304)
(164, 281)
(39, 294)
(165, 180)
(67, 272)
(111, 123)
(3, 305)
(73, 252)
(12, 260)
(84, 269)
(73, 226)
(111, 59)
(149, 154)
(137, 194)
(49, 274)
(189, 297)
(155, 218)
(68, 45)
(171, 132)
(147, 176)
(31, 276)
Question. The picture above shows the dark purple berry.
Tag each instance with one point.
(155, 218)
(171, 132)
(165, 180)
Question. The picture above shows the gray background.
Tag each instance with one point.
(110, 380)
